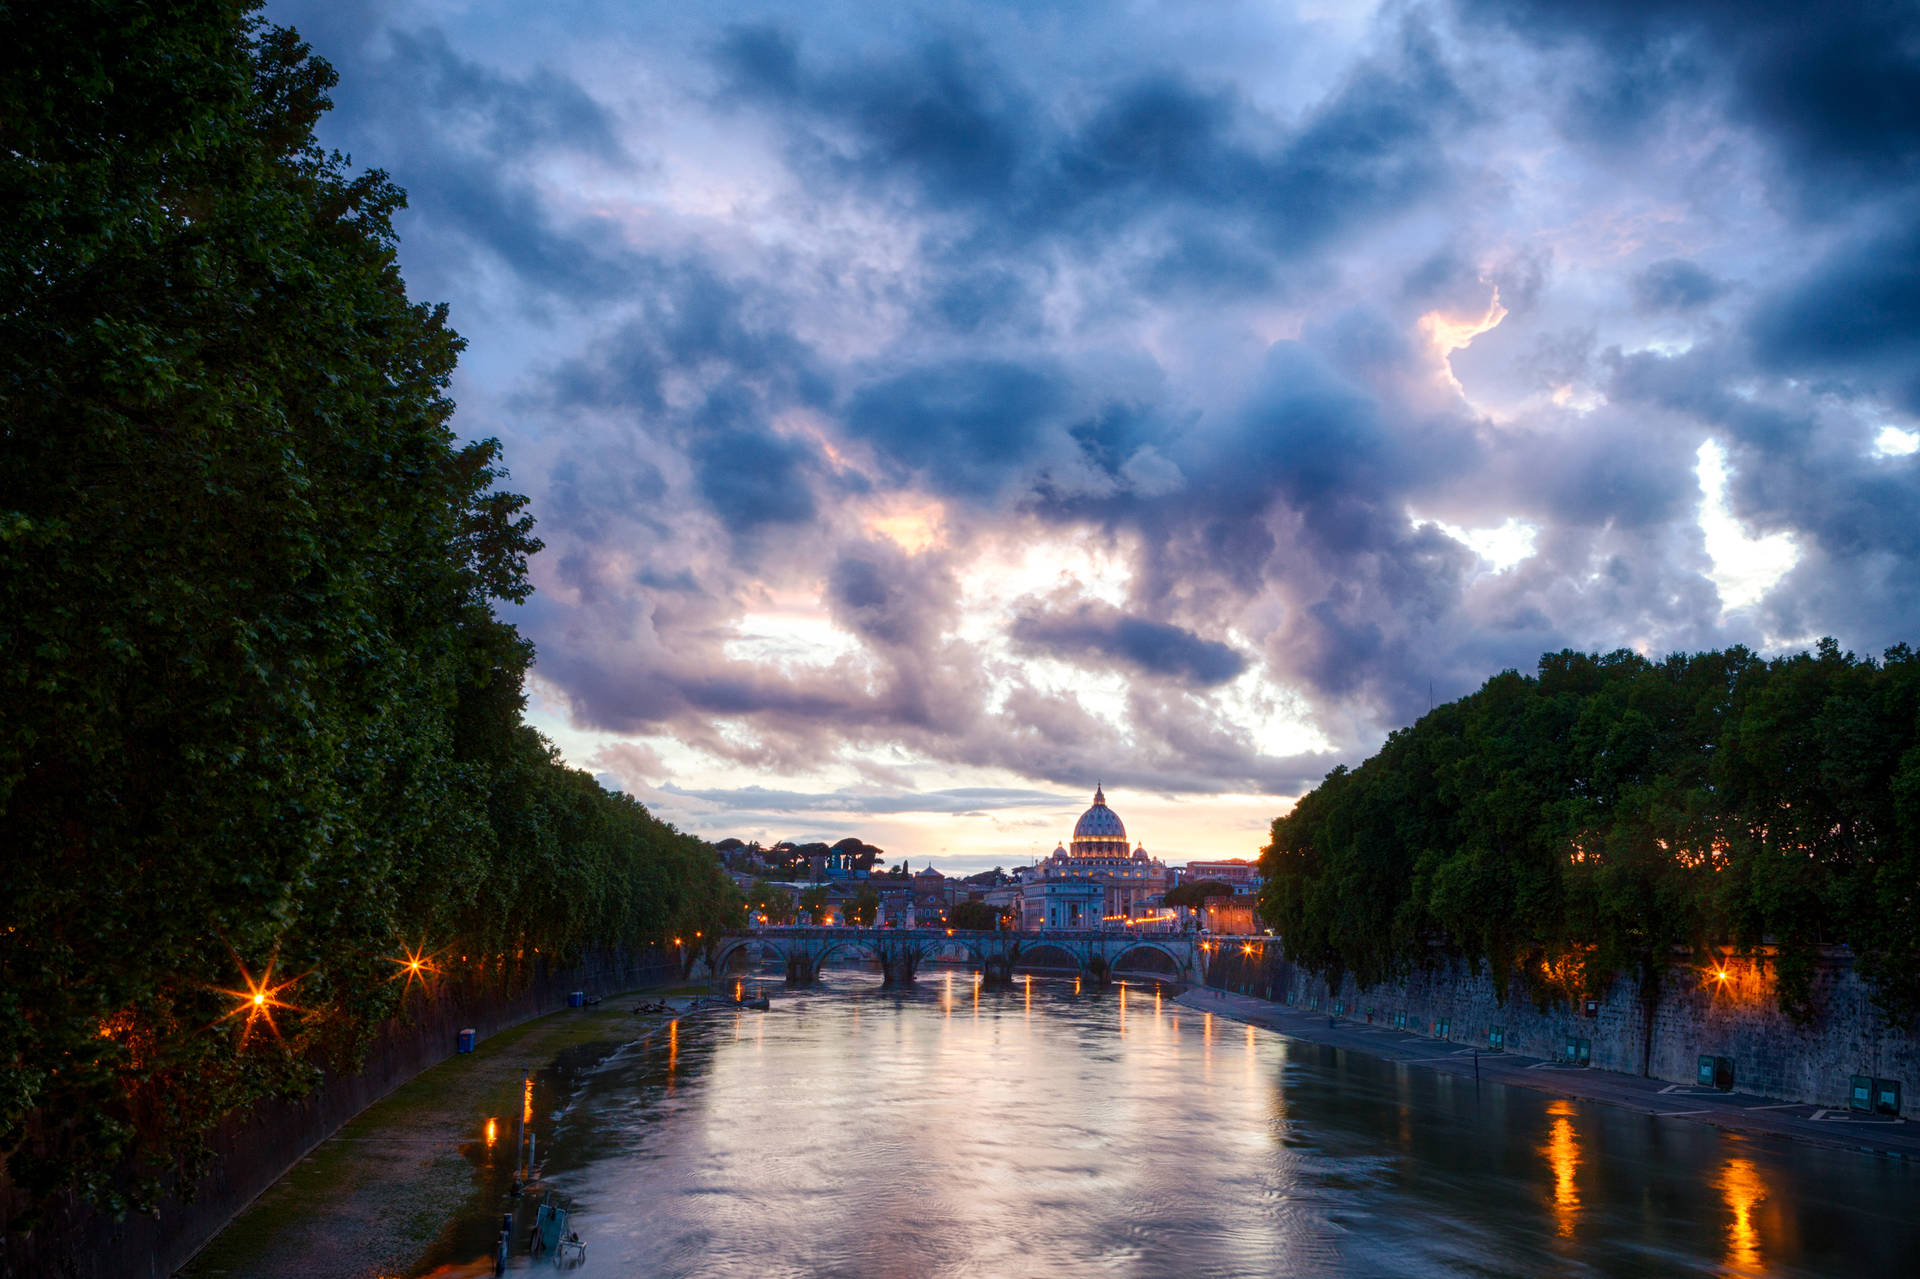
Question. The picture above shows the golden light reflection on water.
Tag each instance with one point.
(526, 1099)
(1741, 1186)
(493, 1131)
(1563, 1156)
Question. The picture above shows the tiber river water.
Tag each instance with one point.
(1039, 1131)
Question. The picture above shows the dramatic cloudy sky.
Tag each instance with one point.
(932, 408)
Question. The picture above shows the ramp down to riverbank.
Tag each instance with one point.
(1735, 1111)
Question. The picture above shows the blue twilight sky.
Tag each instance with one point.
(932, 409)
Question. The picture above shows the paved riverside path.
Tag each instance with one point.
(1736, 1111)
(371, 1201)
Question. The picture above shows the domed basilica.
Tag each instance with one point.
(1094, 882)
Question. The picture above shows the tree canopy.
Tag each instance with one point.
(262, 717)
(1607, 812)
(1194, 895)
(974, 915)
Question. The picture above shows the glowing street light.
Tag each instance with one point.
(415, 966)
(258, 1000)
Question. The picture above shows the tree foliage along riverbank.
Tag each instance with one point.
(260, 715)
(1591, 819)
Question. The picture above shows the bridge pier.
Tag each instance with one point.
(898, 968)
(802, 969)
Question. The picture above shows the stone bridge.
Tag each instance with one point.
(901, 951)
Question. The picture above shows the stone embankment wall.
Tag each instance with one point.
(1697, 1014)
(254, 1150)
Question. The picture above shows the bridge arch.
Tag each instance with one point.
(1050, 954)
(849, 947)
(754, 949)
(1128, 957)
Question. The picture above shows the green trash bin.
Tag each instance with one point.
(1886, 1096)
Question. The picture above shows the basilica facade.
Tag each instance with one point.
(1094, 882)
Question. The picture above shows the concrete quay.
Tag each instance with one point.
(1734, 1111)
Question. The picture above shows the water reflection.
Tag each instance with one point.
(860, 1131)
(1563, 1156)
(1740, 1184)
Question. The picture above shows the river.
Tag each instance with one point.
(1043, 1131)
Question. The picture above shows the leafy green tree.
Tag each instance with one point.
(860, 856)
(1616, 815)
(863, 908)
(773, 902)
(1194, 895)
(263, 722)
(814, 904)
(975, 915)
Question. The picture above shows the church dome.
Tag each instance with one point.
(1099, 832)
(1140, 853)
(1099, 822)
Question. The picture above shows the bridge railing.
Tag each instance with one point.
(957, 934)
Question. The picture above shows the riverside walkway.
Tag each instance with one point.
(1734, 1111)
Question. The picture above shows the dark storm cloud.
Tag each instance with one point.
(511, 115)
(956, 801)
(1338, 456)
(1607, 471)
(1157, 648)
(685, 320)
(752, 478)
(1856, 311)
(1830, 86)
(961, 425)
(1804, 467)
(953, 129)
(461, 138)
(504, 217)
(1674, 284)
(897, 601)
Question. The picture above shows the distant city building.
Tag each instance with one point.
(1244, 875)
(934, 895)
(1094, 882)
(1233, 915)
(896, 907)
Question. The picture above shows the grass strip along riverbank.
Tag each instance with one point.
(1735, 1111)
(399, 1188)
